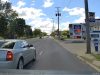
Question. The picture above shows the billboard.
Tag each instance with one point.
(77, 29)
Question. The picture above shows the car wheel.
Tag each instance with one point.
(34, 59)
(20, 64)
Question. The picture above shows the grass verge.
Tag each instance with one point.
(97, 56)
(89, 60)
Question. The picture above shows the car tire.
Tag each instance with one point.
(34, 59)
(20, 64)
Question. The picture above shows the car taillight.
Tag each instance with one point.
(9, 56)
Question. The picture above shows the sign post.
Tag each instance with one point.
(91, 17)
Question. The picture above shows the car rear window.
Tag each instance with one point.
(2, 42)
(8, 45)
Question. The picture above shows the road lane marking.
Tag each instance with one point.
(40, 53)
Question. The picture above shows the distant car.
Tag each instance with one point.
(14, 54)
(40, 37)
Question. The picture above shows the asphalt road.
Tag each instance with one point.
(52, 56)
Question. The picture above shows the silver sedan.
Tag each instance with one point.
(15, 54)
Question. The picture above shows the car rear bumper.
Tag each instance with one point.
(7, 65)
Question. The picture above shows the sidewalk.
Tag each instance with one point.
(78, 47)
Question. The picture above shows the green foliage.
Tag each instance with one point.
(52, 34)
(7, 17)
(97, 56)
(44, 34)
(10, 25)
(3, 26)
(37, 32)
(28, 31)
(13, 15)
(65, 32)
(19, 27)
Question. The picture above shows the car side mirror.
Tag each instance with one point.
(30, 45)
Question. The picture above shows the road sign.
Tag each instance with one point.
(91, 17)
(91, 20)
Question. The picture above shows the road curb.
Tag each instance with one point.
(90, 64)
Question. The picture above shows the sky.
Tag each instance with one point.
(41, 13)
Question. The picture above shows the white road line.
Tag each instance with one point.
(40, 53)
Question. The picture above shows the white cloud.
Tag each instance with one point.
(21, 3)
(45, 25)
(64, 26)
(5, 0)
(47, 3)
(34, 17)
(29, 12)
(80, 20)
(33, 2)
(77, 11)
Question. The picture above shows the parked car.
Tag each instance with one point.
(14, 54)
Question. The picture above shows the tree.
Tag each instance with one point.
(3, 26)
(44, 34)
(12, 23)
(65, 33)
(10, 15)
(37, 32)
(19, 27)
(28, 31)
(54, 33)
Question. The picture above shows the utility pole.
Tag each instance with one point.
(88, 45)
(58, 14)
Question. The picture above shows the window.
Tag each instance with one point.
(18, 45)
(8, 45)
(95, 35)
(25, 44)
(1, 43)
